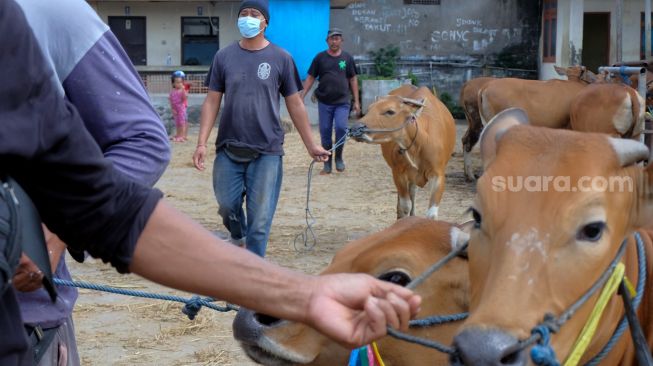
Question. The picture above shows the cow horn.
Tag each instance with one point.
(419, 103)
(495, 129)
(458, 238)
(629, 151)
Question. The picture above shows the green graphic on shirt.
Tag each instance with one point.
(342, 64)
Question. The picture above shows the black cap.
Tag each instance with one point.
(334, 32)
(260, 5)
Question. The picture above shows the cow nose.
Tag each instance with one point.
(357, 130)
(248, 326)
(480, 347)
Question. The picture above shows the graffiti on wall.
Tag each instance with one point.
(472, 35)
(386, 19)
(478, 30)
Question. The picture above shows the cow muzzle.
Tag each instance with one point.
(249, 329)
(487, 347)
(359, 132)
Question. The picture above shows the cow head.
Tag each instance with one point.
(389, 119)
(397, 254)
(538, 245)
(577, 73)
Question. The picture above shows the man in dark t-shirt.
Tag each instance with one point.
(336, 72)
(252, 75)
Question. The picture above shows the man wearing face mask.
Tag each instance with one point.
(252, 75)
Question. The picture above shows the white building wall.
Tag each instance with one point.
(163, 23)
(570, 22)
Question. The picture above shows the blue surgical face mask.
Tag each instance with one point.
(249, 27)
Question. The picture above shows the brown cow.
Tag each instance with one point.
(615, 109)
(538, 247)
(547, 103)
(398, 254)
(469, 101)
(417, 143)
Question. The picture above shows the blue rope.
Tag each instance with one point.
(621, 328)
(437, 320)
(191, 308)
(542, 353)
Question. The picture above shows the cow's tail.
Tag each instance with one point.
(482, 108)
(638, 110)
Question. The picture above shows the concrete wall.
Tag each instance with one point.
(163, 23)
(467, 31)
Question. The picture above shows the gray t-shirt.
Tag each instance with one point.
(252, 83)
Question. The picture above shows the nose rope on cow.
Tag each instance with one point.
(310, 219)
(308, 233)
(543, 355)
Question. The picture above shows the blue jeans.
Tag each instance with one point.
(328, 114)
(258, 184)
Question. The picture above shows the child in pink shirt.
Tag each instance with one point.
(178, 99)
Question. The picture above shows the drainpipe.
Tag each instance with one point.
(618, 14)
(647, 29)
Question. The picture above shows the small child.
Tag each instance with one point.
(178, 105)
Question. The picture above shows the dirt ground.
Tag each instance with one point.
(118, 330)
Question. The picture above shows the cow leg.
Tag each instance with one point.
(404, 200)
(473, 133)
(435, 186)
(412, 188)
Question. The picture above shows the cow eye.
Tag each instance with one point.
(396, 277)
(389, 112)
(591, 232)
(477, 218)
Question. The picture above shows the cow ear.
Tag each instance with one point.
(590, 77)
(643, 210)
(495, 129)
(562, 71)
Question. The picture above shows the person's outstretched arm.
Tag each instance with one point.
(353, 309)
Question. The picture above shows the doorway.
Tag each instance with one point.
(130, 31)
(596, 40)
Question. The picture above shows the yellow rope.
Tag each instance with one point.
(589, 329)
(377, 354)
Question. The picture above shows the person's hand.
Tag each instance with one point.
(199, 156)
(318, 153)
(28, 276)
(355, 309)
(357, 109)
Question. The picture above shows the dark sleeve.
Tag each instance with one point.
(215, 78)
(45, 147)
(351, 68)
(110, 97)
(291, 83)
(314, 69)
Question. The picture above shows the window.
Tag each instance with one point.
(549, 26)
(422, 2)
(642, 35)
(199, 40)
